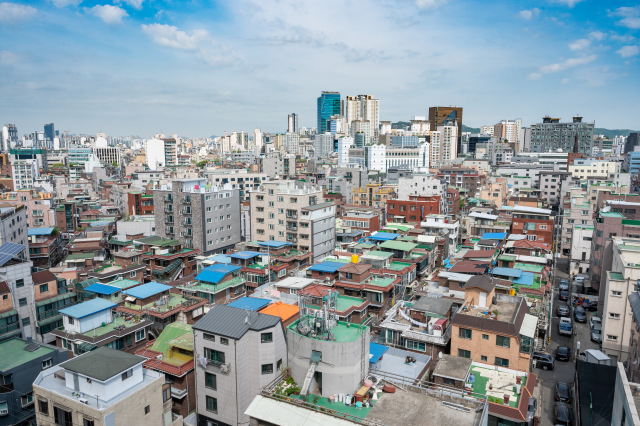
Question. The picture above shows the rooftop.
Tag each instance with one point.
(501, 383)
(87, 308)
(453, 367)
(250, 303)
(147, 290)
(343, 331)
(231, 322)
(109, 327)
(13, 353)
(102, 363)
(166, 305)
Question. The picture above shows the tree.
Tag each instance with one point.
(114, 164)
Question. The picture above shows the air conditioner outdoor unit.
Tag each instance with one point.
(225, 368)
(84, 400)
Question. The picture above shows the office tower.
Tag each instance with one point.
(49, 132)
(337, 124)
(292, 123)
(328, 105)
(362, 108)
(632, 141)
(551, 135)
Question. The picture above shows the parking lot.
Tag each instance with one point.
(564, 370)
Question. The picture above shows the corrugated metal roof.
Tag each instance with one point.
(525, 279)
(102, 289)
(251, 303)
(383, 236)
(103, 363)
(232, 322)
(274, 244)
(494, 236)
(214, 273)
(483, 215)
(507, 272)
(40, 231)
(326, 266)
(376, 351)
(398, 245)
(87, 308)
(147, 290)
(245, 255)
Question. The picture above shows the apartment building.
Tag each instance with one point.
(579, 214)
(276, 163)
(550, 184)
(422, 184)
(198, 215)
(415, 210)
(444, 144)
(281, 211)
(373, 194)
(103, 387)
(361, 220)
(39, 205)
(462, 177)
(24, 173)
(551, 135)
(244, 351)
(537, 224)
(238, 178)
(590, 168)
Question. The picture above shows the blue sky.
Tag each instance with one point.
(202, 67)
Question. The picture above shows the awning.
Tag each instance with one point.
(529, 325)
(8, 314)
(171, 267)
(130, 299)
(85, 346)
(9, 335)
(49, 320)
(55, 299)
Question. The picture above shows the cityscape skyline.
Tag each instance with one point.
(140, 67)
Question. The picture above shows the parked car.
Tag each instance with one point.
(579, 280)
(544, 361)
(596, 333)
(564, 285)
(533, 406)
(564, 295)
(563, 311)
(593, 321)
(565, 326)
(563, 392)
(579, 314)
(562, 414)
(590, 307)
(563, 353)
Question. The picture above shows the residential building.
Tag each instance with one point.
(238, 178)
(465, 178)
(108, 155)
(292, 123)
(537, 224)
(479, 224)
(443, 144)
(551, 135)
(198, 215)
(244, 352)
(362, 108)
(137, 225)
(415, 210)
(589, 168)
(328, 105)
(509, 130)
(39, 154)
(359, 220)
(24, 173)
(323, 145)
(282, 212)
(372, 194)
(103, 387)
(580, 249)
(164, 259)
(441, 225)
(277, 164)
(439, 116)
(161, 152)
(46, 247)
(550, 184)
(22, 362)
(39, 205)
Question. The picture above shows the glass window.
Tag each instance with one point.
(43, 407)
(525, 344)
(210, 381)
(503, 341)
(267, 337)
(464, 354)
(267, 368)
(501, 362)
(485, 337)
(464, 333)
(214, 356)
(224, 341)
(212, 404)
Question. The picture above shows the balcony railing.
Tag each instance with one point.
(168, 210)
(185, 201)
(186, 211)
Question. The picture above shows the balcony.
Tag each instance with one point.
(186, 223)
(292, 214)
(185, 234)
(185, 201)
(186, 211)
(168, 199)
(168, 209)
(37, 213)
(170, 231)
(168, 220)
(292, 227)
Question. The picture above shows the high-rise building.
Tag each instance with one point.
(551, 135)
(323, 145)
(507, 129)
(362, 108)
(292, 123)
(444, 145)
(9, 136)
(632, 141)
(328, 105)
(257, 139)
(292, 142)
(49, 131)
(447, 116)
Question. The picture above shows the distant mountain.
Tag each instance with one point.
(400, 125)
(470, 129)
(610, 133)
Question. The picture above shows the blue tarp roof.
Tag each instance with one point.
(494, 236)
(245, 255)
(102, 288)
(214, 273)
(383, 236)
(376, 351)
(327, 266)
(220, 258)
(274, 244)
(39, 231)
(87, 308)
(147, 290)
(100, 223)
(251, 303)
(507, 272)
(525, 279)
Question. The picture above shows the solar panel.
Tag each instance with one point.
(8, 251)
(32, 347)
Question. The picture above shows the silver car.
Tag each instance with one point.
(596, 333)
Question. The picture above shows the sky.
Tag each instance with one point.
(200, 67)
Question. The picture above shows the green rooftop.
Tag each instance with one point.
(178, 335)
(616, 276)
(215, 288)
(611, 214)
(629, 247)
(507, 258)
(381, 254)
(406, 238)
(398, 246)
(12, 353)
(398, 266)
(481, 384)
(381, 281)
(80, 256)
(631, 222)
(341, 331)
(174, 300)
(123, 283)
(117, 322)
(529, 268)
(157, 241)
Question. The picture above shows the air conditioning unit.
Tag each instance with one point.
(225, 368)
(159, 357)
(524, 232)
(84, 401)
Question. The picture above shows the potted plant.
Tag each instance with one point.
(506, 399)
(490, 386)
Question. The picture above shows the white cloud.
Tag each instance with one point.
(630, 16)
(565, 80)
(569, 3)
(581, 44)
(430, 4)
(136, 4)
(170, 36)
(109, 14)
(569, 63)
(528, 14)
(65, 3)
(12, 12)
(628, 51)
(7, 57)
(622, 38)
(597, 35)
(534, 76)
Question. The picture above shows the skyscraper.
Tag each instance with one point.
(363, 108)
(49, 132)
(551, 135)
(292, 123)
(447, 116)
(328, 105)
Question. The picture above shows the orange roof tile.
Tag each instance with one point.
(282, 310)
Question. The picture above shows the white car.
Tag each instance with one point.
(593, 321)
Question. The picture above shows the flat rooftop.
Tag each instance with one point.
(13, 354)
(343, 331)
(107, 328)
(493, 383)
(174, 300)
(507, 310)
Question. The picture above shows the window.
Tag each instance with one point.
(20, 283)
(212, 404)
(279, 364)
(214, 356)
(46, 364)
(70, 320)
(464, 333)
(525, 344)
(147, 410)
(503, 341)
(612, 338)
(22, 302)
(43, 407)
(224, 341)
(127, 374)
(27, 399)
(140, 335)
(501, 362)
(87, 422)
(266, 337)
(483, 358)
(267, 368)
(464, 354)
(44, 288)
(614, 316)
(449, 382)
(616, 293)
(210, 381)
(26, 321)
(485, 337)
(416, 346)
(208, 336)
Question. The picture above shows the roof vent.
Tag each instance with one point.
(32, 347)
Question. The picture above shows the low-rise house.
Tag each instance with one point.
(350, 309)
(219, 283)
(166, 259)
(45, 246)
(50, 296)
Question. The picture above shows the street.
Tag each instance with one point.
(564, 370)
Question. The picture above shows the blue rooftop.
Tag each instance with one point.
(250, 303)
(507, 272)
(383, 236)
(376, 351)
(525, 279)
(220, 258)
(102, 289)
(214, 273)
(245, 255)
(87, 308)
(494, 236)
(147, 290)
(100, 223)
(39, 231)
(327, 266)
(274, 244)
